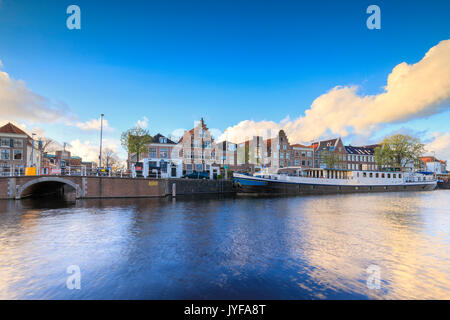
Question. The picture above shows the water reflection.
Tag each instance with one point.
(290, 248)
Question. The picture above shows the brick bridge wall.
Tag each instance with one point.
(114, 187)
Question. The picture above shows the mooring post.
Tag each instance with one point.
(174, 190)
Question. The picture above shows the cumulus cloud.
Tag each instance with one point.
(143, 123)
(412, 91)
(19, 103)
(93, 125)
(440, 145)
(89, 150)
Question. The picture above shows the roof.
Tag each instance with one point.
(359, 150)
(325, 143)
(158, 136)
(298, 145)
(191, 132)
(10, 128)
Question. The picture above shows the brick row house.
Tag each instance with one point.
(198, 151)
(16, 151)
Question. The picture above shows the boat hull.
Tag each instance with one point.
(259, 187)
(444, 185)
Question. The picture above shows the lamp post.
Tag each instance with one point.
(101, 138)
(32, 149)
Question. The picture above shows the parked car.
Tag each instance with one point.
(196, 175)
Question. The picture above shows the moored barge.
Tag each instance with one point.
(327, 181)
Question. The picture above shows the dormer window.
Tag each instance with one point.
(162, 140)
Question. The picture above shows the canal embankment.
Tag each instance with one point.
(86, 187)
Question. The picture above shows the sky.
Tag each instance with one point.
(312, 68)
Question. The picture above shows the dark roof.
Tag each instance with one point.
(156, 139)
(10, 128)
(359, 150)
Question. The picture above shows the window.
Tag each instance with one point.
(284, 147)
(309, 153)
(189, 168)
(5, 142)
(297, 162)
(287, 155)
(303, 154)
(199, 167)
(5, 154)
(364, 174)
(18, 143)
(303, 162)
(399, 175)
(17, 154)
(164, 153)
(281, 155)
(394, 176)
(376, 175)
(309, 162)
(389, 175)
(382, 175)
(152, 152)
(371, 175)
(344, 157)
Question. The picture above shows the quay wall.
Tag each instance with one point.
(111, 187)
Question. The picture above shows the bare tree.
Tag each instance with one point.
(48, 144)
(110, 158)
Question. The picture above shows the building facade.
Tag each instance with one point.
(17, 151)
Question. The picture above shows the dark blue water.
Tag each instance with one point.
(314, 247)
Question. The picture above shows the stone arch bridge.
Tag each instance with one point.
(106, 187)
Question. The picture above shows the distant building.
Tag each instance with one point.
(332, 146)
(17, 152)
(303, 156)
(432, 164)
(196, 148)
(361, 158)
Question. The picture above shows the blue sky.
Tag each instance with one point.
(176, 61)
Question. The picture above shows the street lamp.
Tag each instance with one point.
(101, 138)
(32, 149)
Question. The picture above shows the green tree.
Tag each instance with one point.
(329, 158)
(135, 140)
(399, 150)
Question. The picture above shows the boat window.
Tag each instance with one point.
(389, 175)
(382, 175)
(357, 174)
(394, 176)
(371, 175)
(376, 175)
(399, 175)
(364, 174)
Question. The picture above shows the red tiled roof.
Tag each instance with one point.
(302, 146)
(10, 128)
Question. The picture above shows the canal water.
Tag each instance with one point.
(354, 246)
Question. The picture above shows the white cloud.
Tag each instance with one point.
(94, 125)
(142, 123)
(440, 145)
(19, 103)
(412, 91)
(90, 150)
(1, 63)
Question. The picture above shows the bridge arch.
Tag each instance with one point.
(41, 180)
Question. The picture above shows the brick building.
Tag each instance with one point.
(333, 147)
(16, 151)
(303, 156)
(196, 148)
(361, 158)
